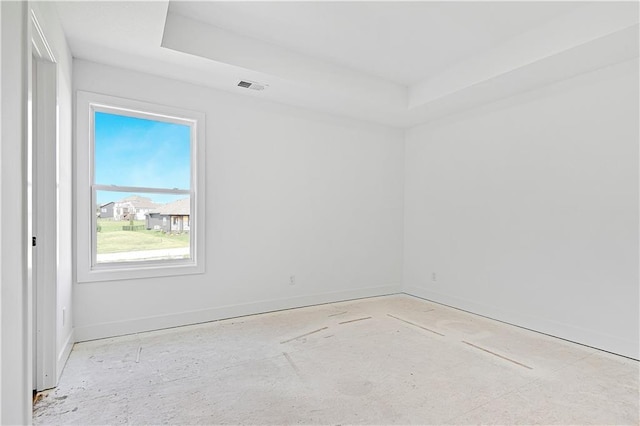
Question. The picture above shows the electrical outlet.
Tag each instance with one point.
(292, 280)
(434, 277)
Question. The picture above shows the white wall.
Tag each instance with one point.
(2, 319)
(48, 19)
(288, 192)
(15, 367)
(527, 210)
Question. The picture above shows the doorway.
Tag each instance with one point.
(42, 207)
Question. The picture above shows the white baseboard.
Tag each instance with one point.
(594, 339)
(63, 356)
(138, 325)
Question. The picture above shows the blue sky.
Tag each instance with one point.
(138, 152)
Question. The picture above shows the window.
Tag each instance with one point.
(146, 161)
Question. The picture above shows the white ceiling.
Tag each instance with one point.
(394, 63)
(404, 42)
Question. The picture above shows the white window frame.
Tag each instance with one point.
(88, 270)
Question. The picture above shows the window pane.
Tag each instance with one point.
(137, 152)
(142, 226)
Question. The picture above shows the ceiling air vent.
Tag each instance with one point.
(252, 85)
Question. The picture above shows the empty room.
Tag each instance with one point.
(319, 212)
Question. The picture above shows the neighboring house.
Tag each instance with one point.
(171, 217)
(106, 210)
(134, 207)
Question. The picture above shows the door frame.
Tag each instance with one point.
(42, 173)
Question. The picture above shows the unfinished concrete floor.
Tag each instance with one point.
(384, 360)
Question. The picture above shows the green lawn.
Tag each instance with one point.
(112, 239)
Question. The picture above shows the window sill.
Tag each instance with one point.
(111, 272)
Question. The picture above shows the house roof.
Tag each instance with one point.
(106, 204)
(139, 202)
(178, 207)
